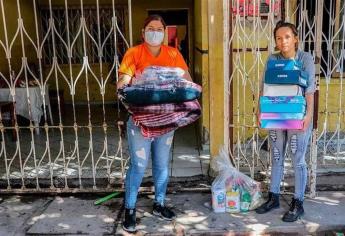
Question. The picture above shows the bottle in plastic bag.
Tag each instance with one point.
(233, 200)
(218, 200)
(245, 200)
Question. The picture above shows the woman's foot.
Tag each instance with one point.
(163, 211)
(295, 212)
(272, 203)
(129, 224)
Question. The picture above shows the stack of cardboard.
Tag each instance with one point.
(283, 105)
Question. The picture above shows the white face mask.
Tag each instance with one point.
(154, 38)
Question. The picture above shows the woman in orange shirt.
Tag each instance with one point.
(150, 53)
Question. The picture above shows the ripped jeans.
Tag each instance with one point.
(298, 144)
(140, 149)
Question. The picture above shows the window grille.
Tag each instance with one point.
(72, 23)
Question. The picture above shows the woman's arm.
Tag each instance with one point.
(124, 79)
(187, 76)
(309, 91)
(309, 97)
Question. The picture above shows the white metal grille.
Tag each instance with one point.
(75, 46)
(48, 46)
(67, 25)
(321, 32)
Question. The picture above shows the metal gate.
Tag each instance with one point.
(52, 54)
(321, 32)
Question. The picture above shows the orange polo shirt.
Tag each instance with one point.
(139, 57)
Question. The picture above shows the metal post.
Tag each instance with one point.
(318, 52)
(130, 23)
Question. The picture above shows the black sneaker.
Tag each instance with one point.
(295, 212)
(163, 212)
(129, 224)
(272, 203)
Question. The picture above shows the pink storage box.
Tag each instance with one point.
(282, 124)
(281, 116)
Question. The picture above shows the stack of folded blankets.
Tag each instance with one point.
(161, 100)
(283, 105)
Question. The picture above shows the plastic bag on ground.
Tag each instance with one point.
(233, 191)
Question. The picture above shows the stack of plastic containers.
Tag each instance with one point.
(283, 105)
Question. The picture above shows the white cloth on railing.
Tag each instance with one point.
(22, 98)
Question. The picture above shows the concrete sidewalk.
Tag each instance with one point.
(35, 215)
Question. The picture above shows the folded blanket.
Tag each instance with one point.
(156, 120)
(155, 124)
(155, 131)
(161, 100)
(164, 108)
(175, 91)
(154, 74)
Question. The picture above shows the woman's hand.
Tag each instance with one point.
(258, 119)
(309, 114)
(187, 76)
(123, 80)
(306, 122)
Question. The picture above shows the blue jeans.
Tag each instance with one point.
(298, 143)
(140, 149)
